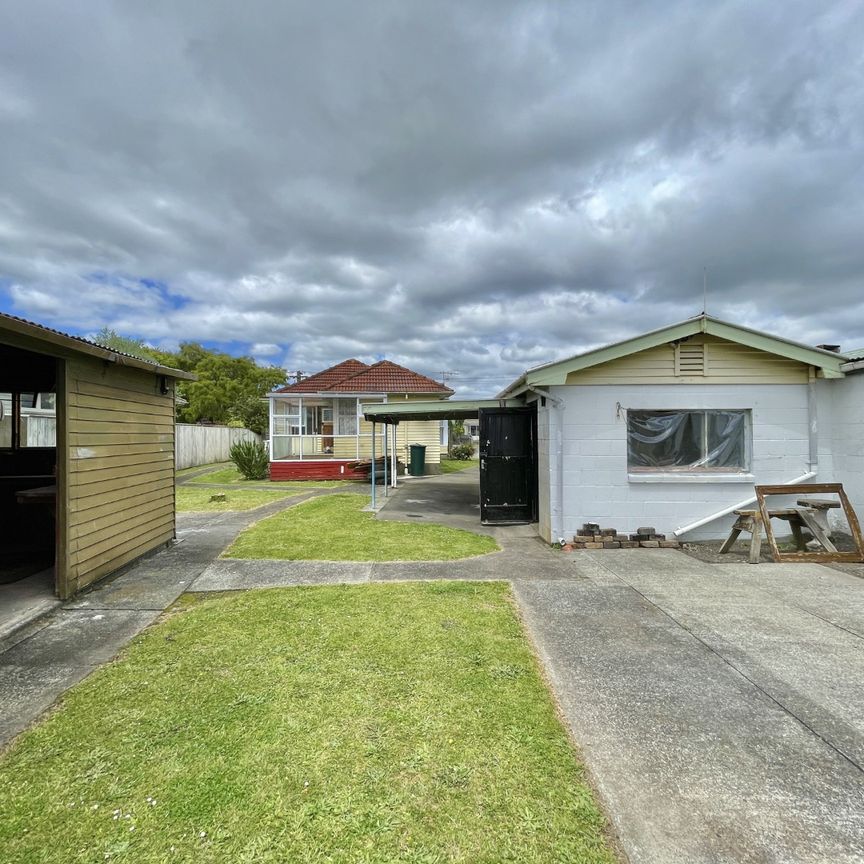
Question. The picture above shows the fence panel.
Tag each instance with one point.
(201, 445)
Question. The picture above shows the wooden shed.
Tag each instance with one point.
(86, 456)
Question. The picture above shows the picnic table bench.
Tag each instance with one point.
(811, 513)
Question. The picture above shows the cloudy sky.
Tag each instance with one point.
(469, 186)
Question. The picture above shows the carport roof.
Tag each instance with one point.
(393, 412)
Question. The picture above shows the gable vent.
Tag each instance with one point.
(690, 358)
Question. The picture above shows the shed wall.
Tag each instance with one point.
(594, 440)
(119, 467)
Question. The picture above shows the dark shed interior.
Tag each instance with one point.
(28, 466)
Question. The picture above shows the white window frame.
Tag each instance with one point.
(694, 475)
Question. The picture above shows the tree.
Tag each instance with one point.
(109, 338)
(455, 432)
(228, 388)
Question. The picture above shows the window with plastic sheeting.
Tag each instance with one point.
(688, 441)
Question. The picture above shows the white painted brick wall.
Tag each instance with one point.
(596, 485)
(544, 516)
(847, 435)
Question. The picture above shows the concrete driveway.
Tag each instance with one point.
(720, 708)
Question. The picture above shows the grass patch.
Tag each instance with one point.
(191, 500)
(185, 472)
(230, 474)
(335, 528)
(375, 723)
(450, 466)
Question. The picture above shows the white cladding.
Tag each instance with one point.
(847, 436)
(593, 436)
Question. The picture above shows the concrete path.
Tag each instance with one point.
(449, 499)
(720, 709)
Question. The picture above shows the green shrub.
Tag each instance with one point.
(462, 452)
(251, 459)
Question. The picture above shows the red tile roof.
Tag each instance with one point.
(352, 376)
(321, 381)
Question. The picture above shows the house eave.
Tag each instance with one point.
(828, 363)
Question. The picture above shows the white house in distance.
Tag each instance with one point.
(674, 427)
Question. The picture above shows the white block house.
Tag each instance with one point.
(672, 429)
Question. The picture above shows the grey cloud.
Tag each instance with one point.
(474, 187)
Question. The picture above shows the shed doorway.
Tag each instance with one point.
(28, 479)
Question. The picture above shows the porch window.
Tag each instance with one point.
(693, 442)
(318, 427)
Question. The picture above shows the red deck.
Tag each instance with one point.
(328, 469)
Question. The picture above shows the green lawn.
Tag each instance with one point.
(370, 724)
(335, 528)
(183, 472)
(190, 499)
(448, 466)
(230, 474)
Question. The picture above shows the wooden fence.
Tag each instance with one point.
(201, 445)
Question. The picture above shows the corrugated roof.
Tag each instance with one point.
(352, 376)
(325, 379)
(60, 339)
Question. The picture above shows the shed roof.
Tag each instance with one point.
(352, 376)
(56, 342)
(829, 362)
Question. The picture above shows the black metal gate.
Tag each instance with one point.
(508, 465)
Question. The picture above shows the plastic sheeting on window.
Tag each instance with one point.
(686, 440)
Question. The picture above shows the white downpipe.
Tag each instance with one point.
(557, 525)
(739, 506)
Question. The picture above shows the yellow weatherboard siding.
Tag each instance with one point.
(119, 461)
(725, 363)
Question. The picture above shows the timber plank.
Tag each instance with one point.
(122, 401)
(129, 502)
(88, 388)
(102, 451)
(88, 571)
(83, 549)
(120, 462)
(97, 486)
(110, 525)
(80, 479)
(89, 439)
(87, 426)
(120, 492)
(119, 377)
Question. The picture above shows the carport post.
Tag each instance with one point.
(373, 465)
(393, 471)
(385, 460)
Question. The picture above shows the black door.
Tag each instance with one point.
(508, 472)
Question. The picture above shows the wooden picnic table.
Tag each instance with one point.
(813, 518)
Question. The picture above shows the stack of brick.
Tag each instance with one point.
(592, 536)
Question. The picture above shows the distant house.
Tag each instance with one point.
(317, 428)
